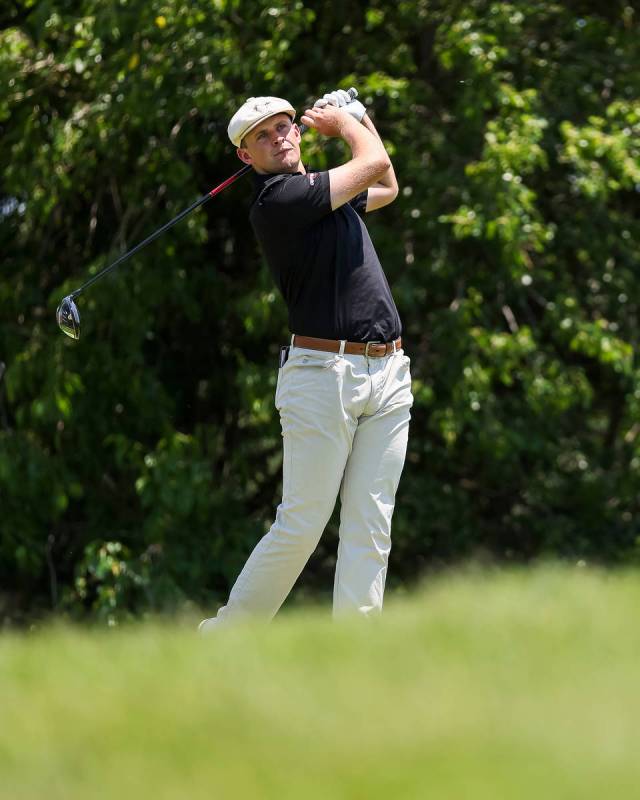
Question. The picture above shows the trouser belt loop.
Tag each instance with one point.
(343, 344)
(293, 337)
(394, 347)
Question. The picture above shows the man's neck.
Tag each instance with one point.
(299, 168)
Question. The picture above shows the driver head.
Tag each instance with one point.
(68, 317)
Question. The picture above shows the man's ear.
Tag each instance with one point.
(243, 155)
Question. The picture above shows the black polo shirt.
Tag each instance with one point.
(323, 261)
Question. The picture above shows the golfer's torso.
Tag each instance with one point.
(323, 261)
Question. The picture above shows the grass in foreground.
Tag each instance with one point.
(503, 685)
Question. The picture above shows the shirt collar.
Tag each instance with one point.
(260, 181)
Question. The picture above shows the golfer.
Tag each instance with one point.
(344, 387)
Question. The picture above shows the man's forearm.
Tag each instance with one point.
(362, 144)
(389, 178)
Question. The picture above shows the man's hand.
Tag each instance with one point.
(328, 120)
(342, 99)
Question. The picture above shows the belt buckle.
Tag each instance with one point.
(366, 349)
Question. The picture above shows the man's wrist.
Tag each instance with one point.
(348, 125)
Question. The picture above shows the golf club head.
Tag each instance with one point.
(68, 317)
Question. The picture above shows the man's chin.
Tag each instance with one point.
(289, 163)
(279, 165)
(285, 167)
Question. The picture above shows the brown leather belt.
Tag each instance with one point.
(369, 349)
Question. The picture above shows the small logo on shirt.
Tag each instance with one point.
(312, 178)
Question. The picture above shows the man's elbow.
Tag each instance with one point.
(383, 165)
(391, 188)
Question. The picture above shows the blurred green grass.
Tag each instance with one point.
(517, 684)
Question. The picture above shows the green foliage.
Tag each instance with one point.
(108, 584)
(510, 250)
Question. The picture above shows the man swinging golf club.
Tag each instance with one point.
(344, 387)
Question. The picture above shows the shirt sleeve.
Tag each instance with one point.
(298, 200)
(359, 202)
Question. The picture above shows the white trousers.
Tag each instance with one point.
(345, 422)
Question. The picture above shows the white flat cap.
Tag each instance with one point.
(252, 112)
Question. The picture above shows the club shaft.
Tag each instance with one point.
(201, 201)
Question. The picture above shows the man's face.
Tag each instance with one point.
(272, 146)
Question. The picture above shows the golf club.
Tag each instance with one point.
(67, 314)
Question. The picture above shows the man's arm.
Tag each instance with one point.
(369, 162)
(385, 190)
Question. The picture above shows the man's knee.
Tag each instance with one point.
(301, 524)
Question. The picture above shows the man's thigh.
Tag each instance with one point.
(317, 428)
(379, 447)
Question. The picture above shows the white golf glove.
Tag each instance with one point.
(342, 99)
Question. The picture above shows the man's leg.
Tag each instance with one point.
(317, 436)
(368, 490)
